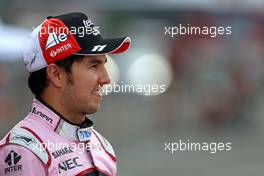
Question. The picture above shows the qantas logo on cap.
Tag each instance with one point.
(55, 39)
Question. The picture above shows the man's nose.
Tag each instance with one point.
(104, 78)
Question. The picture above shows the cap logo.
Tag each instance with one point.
(63, 48)
(56, 42)
(55, 39)
(88, 24)
(98, 48)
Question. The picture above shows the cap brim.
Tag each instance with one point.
(107, 46)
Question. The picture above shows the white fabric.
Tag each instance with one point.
(32, 55)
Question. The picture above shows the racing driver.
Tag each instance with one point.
(67, 72)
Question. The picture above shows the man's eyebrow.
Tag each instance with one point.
(97, 61)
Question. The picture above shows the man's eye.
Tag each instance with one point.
(94, 65)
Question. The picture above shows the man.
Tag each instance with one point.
(66, 75)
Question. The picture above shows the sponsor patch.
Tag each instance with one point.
(41, 114)
(69, 164)
(25, 139)
(84, 134)
(12, 161)
(62, 152)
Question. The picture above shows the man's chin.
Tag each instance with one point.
(93, 109)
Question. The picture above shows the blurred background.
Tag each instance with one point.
(214, 86)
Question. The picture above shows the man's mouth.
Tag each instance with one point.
(98, 91)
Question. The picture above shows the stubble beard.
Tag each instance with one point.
(77, 105)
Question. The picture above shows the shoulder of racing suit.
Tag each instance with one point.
(23, 136)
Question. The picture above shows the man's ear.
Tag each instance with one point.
(55, 75)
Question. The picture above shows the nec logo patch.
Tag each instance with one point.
(69, 164)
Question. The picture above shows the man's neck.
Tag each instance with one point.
(70, 117)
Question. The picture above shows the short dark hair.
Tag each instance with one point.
(37, 81)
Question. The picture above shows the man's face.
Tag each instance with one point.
(81, 93)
